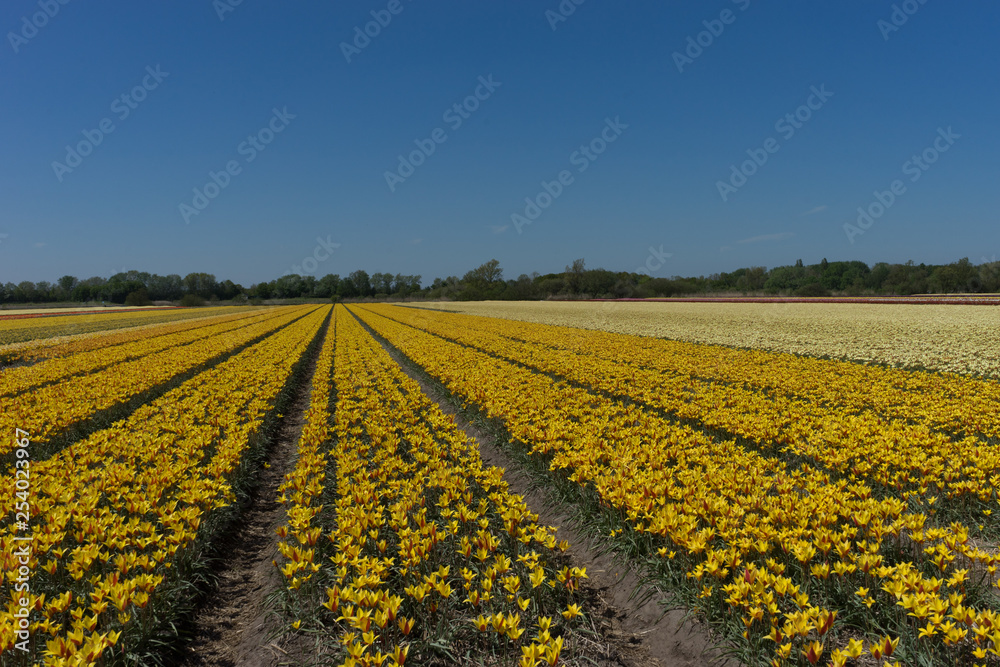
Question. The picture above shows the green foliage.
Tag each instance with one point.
(812, 289)
(139, 297)
(852, 278)
(192, 300)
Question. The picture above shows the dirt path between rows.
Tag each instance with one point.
(634, 634)
(234, 626)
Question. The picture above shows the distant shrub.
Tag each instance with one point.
(657, 287)
(192, 300)
(855, 288)
(139, 297)
(812, 289)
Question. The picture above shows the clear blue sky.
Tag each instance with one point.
(324, 175)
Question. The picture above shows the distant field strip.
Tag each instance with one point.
(19, 330)
(959, 339)
(64, 346)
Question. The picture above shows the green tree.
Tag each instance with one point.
(326, 286)
(382, 283)
(485, 275)
(66, 285)
(574, 275)
(288, 286)
(201, 284)
(361, 282)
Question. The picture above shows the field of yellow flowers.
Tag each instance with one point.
(812, 511)
(811, 526)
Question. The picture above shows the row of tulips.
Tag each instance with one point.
(116, 518)
(808, 569)
(402, 541)
(52, 408)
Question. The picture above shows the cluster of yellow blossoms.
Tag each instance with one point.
(114, 516)
(400, 536)
(812, 559)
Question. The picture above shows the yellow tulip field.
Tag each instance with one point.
(804, 510)
(820, 512)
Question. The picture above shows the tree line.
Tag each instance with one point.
(852, 278)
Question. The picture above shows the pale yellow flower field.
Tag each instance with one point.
(960, 339)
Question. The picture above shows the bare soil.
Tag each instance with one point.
(235, 626)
